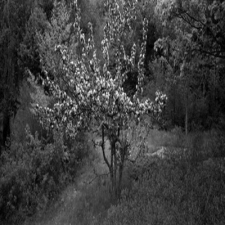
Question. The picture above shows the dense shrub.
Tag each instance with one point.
(169, 192)
(33, 173)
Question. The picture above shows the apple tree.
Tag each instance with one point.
(92, 94)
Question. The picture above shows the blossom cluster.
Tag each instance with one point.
(91, 90)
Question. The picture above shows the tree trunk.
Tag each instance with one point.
(115, 165)
(120, 179)
(186, 119)
(6, 128)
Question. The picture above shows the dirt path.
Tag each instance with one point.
(62, 211)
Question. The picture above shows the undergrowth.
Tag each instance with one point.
(170, 192)
(33, 174)
(181, 189)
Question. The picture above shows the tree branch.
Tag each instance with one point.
(97, 176)
(204, 25)
(214, 53)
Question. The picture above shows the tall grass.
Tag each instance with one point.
(179, 189)
(169, 192)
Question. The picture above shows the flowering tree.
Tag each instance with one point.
(92, 92)
(59, 30)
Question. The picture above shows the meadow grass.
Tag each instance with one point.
(177, 190)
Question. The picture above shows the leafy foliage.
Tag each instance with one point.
(12, 25)
(34, 173)
(190, 54)
(59, 31)
(172, 194)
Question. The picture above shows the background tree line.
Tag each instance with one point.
(185, 54)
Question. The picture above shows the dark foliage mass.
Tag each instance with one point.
(34, 173)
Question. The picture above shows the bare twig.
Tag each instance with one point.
(97, 176)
